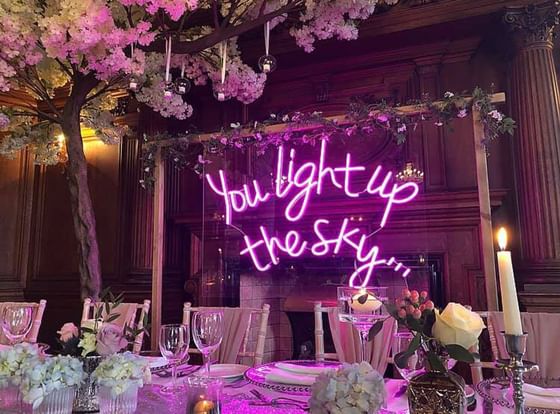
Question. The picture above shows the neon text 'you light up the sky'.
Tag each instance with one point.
(303, 184)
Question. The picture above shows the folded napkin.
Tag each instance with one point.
(302, 369)
(285, 377)
(538, 397)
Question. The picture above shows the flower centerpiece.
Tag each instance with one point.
(13, 361)
(95, 340)
(353, 388)
(49, 384)
(119, 376)
(438, 336)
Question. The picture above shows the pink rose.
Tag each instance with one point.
(110, 339)
(68, 331)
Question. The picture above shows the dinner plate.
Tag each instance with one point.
(224, 371)
(257, 376)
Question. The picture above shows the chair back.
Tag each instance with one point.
(347, 341)
(130, 314)
(320, 354)
(38, 310)
(238, 326)
(543, 337)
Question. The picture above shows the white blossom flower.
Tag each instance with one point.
(462, 113)
(497, 115)
(40, 378)
(448, 95)
(119, 371)
(352, 389)
(14, 360)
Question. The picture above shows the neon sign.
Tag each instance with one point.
(298, 185)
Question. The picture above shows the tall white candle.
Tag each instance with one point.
(512, 317)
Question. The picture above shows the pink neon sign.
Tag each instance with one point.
(297, 185)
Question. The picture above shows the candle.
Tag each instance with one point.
(363, 302)
(203, 407)
(512, 317)
(266, 67)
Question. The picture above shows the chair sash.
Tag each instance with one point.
(236, 323)
(347, 342)
(542, 341)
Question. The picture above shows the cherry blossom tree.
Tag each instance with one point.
(87, 50)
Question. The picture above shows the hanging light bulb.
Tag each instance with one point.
(267, 63)
(169, 87)
(168, 90)
(182, 84)
(220, 92)
(220, 88)
(133, 83)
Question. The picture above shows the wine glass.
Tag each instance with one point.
(362, 307)
(208, 331)
(415, 364)
(174, 346)
(16, 322)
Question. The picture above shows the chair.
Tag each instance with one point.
(347, 342)
(237, 322)
(38, 310)
(542, 341)
(127, 315)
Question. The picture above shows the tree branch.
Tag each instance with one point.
(217, 36)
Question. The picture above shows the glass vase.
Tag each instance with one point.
(437, 392)
(10, 399)
(86, 395)
(57, 402)
(124, 403)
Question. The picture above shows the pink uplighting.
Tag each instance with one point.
(300, 186)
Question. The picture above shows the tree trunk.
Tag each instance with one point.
(80, 199)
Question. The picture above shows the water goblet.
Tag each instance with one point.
(362, 307)
(16, 322)
(208, 332)
(416, 362)
(174, 346)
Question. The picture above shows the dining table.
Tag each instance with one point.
(240, 396)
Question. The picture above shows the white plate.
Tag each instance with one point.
(225, 371)
(156, 362)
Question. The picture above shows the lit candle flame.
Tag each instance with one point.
(60, 138)
(502, 238)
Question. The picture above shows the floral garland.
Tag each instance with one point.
(362, 118)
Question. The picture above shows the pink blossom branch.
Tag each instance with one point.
(205, 42)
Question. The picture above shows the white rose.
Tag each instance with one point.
(457, 325)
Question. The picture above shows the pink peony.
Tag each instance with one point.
(68, 331)
(110, 339)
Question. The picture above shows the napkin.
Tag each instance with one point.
(285, 377)
(302, 369)
(537, 397)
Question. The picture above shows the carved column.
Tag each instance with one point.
(535, 102)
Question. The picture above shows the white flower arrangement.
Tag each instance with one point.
(119, 371)
(351, 389)
(40, 378)
(13, 362)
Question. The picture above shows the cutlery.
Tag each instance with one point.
(277, 402)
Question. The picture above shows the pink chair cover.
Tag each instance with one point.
(347, 342)
(542, 342)
(236, 322)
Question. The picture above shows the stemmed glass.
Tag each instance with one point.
(416, 362)
(362, 307)
(16, 322)
(208, 331)
(174, 346)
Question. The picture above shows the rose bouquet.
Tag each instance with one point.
(119, 371)
(42, 377)
(99, 336)
(353, 388)
(440, 335)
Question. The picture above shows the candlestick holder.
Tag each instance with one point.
(516, 367)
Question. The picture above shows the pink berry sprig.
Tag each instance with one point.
(413, 303)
